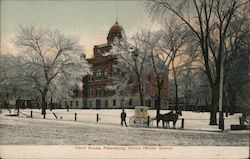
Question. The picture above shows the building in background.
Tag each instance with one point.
(95, 93)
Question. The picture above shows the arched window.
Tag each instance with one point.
(98, 74)
(106, 73)
(98, 92)
(105, 91)
(89, 92)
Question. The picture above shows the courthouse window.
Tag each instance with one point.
(106, 103)
(98, 75)
(114, 102)
(105, 91)
(106, 74)
(130, 102)
(98, 92)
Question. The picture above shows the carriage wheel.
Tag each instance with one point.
(134, 121)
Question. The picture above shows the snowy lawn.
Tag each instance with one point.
(86, 131)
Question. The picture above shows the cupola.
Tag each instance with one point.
(115, 31)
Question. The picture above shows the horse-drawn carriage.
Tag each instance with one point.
(141, 117)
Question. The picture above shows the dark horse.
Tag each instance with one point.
(166, 118)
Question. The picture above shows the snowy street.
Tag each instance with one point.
(85, 131)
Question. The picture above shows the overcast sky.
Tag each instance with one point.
(89, 21)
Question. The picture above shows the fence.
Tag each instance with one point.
(112, 117)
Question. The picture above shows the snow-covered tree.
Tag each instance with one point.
(132, 65)
(164, 47)
(50, 60)
(5, 75)
(14, 85)
(160, 61)
(151, 54)
(2, 69)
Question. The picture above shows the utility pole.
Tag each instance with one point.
(221, 118)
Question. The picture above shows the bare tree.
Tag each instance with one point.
(210, 26)
(49, 58)
(174, 41)
(165, 48)
(132, 64)
(236, 71)
(160, 61)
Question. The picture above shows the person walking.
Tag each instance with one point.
(67, 106)
(123, 118)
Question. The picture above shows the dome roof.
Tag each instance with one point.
(115, 31)
(116, 28)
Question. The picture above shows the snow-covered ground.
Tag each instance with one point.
(86, 131)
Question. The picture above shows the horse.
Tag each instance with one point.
(166, 118)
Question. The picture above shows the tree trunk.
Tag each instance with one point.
(141, 99)
(176, 96)
(158, 101)
(43, 103)
(176, 87)
(140, 91)
(51, 104)
(158, 105)
(214, 105)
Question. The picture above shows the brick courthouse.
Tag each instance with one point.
(96, 95)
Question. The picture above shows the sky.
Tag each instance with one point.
(88, 21)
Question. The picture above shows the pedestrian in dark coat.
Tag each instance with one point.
(123, 118)
(67, 106)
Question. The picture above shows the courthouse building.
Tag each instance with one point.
(95, 93)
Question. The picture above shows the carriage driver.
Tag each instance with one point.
(123, 118)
